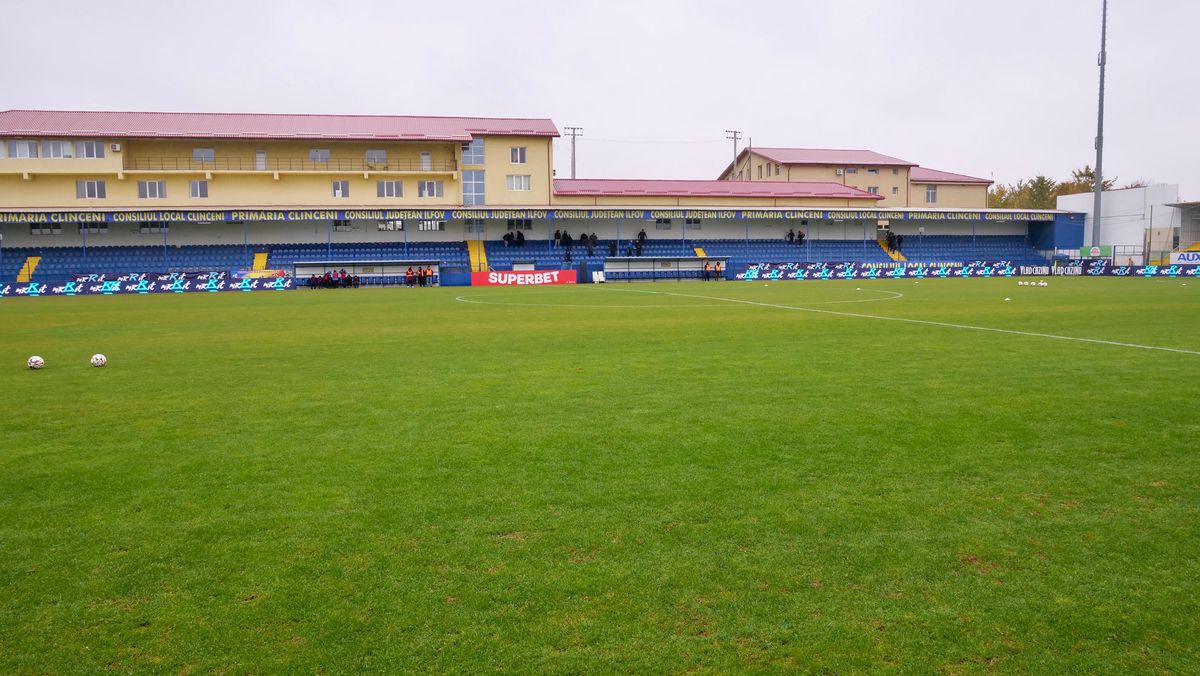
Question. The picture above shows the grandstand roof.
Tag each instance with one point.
(108, 124)
(923, 175)
(603, 187)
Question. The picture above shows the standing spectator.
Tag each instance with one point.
(639, 247)
(800, 237)
(790, 236)
(899, 242)
(557, 237)
(717, 271)
(409, 278)
(707, 270)
(520, 238)
(612, 247)
(429, 274)
(594, 240)
(642, 237)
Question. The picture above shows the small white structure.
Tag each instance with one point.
(1135, 221)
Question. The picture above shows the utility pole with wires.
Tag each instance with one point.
(1099, 187)
(573, 132)
(733, 135)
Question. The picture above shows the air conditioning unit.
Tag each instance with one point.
(838, 172)
(115, 147)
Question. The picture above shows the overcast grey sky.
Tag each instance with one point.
(1001, 90)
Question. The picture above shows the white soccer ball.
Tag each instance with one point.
(36, 362)
(1007, 299)
(99, 360)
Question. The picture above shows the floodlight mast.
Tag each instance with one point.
(1098, 189)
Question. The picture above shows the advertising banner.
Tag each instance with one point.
(1185, 258)
(415, 217)
(1100, 267)
(1095, 251)
(143, 283)
(850, 270)
(522, 277)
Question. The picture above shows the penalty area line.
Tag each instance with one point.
(949, 325)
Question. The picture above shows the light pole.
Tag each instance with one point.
(1097, 205)
(574, 133)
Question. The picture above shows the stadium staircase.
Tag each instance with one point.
(260, 261)
(1165, 260)
(700, 251)
(31, 263)
(894, 254)
(478, 253)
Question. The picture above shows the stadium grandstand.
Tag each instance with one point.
(127, 192)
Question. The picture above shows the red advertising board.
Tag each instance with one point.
(522, 277)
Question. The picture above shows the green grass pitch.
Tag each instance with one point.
(624, 478)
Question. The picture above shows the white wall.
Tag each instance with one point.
(1126, 214)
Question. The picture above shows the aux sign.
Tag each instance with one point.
(1185, 258)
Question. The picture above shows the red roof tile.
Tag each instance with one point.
(263, 126)
(829, 156)
(923, 175)
(604, 187)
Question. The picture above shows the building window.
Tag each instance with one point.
(895, 172)
(389, 189)
(472, 153)
(895, 190)
(473, 188)
(395, 225)
(342, 226)
(429, 188)
(873, 189)
(516, 154)
(203, 154)
(426, 161)
(376, 157)
(152, 190)
(520, 224)
(22, 149)
(319, 155)
(776, 169)
(91, 190)
(46, 229)
(341, 188)
(153, 227)
(90, 150)
(56, 149)
(873, 172)
(851, 170)
(760, 171)
(691, 224)
(473, 225)
(662, 224)
(519, 182)
(93, 229)
(431, 225)
(931, 194)
(198, 189)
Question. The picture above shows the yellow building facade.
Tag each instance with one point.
(52, 168)
(899, 183)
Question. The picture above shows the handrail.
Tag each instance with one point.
(284, 164)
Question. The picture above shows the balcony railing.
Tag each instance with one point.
(284, 164)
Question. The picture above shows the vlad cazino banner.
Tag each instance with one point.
(144, 283)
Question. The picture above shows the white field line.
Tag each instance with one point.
(927, 322)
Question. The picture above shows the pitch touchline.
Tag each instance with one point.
(928, 322)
